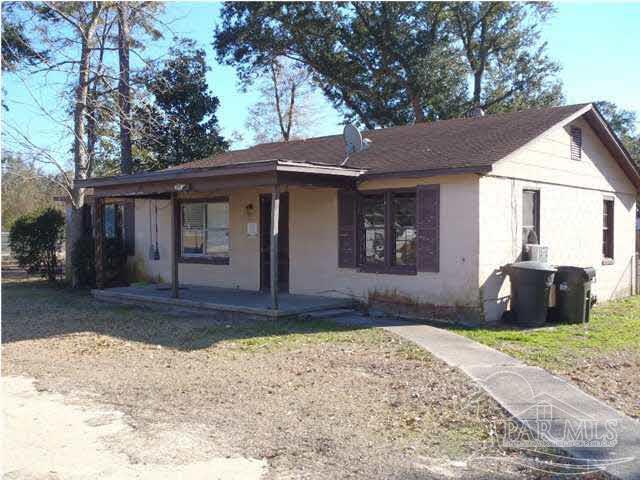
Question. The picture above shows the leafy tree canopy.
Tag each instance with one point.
(623, 122)
(16, 45)
(391, 63)
(180, 124)
(501, 44)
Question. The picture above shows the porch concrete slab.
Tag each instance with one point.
(222, 300)
(552, 408)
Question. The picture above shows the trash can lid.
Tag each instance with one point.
(584, 273)
(533, 265)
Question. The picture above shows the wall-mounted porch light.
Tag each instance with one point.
(249, 209)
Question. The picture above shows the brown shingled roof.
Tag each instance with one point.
(457, 143)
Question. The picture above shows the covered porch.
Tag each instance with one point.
(222, 300)
(272, 180)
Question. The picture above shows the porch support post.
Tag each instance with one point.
(175, 229)
(273, 263)
(99, 242)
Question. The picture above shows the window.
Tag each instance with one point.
(373, 218)
(404, 228)
(576, 143)
(607, 229)
(530, 217)
(388, 231)
(114, 221)
(118, 224)
(205, 230)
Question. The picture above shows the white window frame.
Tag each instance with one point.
(204, 231)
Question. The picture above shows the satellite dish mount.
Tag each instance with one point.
(352, 139)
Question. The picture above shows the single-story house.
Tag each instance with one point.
(427, 212)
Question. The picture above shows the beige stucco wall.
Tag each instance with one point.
(243, 270)
(571, 195)
(314, 246)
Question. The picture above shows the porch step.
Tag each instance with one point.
(331, 313)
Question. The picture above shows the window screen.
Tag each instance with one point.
(404, 228)
(373, 213)
(389, 230)
(193, 228)
(114, 221)
(607, 229)
(218, 229)
(530, 217)
(205, 229)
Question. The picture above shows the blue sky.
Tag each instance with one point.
(598, 46)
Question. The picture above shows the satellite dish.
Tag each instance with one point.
(352, 138)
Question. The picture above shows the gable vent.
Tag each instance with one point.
(576, 143)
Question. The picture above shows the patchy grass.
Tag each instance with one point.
(614, 327)
(604, 360)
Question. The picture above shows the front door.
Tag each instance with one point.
(265, 243)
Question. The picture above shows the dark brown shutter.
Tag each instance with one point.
(347, 236)
(428, 228)
(130, 227)
(87, 225)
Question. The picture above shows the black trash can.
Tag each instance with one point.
(573, 294)
(530, 284)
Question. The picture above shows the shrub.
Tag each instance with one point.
(83, 261)
(84, 265)
(34, 239)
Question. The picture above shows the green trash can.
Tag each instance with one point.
(530, 284)
(573, 294)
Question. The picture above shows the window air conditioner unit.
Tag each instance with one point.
(537, 253)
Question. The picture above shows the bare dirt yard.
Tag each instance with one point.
(173, 391)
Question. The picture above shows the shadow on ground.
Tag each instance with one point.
(33, 309)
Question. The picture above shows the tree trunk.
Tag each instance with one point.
(276, 92)
(417, 108)
(124, 97)
(80, 157)
(477, 88)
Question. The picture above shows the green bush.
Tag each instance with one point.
(84, 265)
(34, 239)
(83, 261)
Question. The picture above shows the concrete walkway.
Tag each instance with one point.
(553, 410)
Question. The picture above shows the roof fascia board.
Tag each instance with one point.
(434, 172)
(561, 123)
(630, 165)
(288, 166)
(170, 175)
(265, 166)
